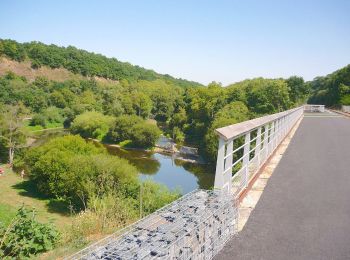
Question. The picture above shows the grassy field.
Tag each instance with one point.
(37, 128)
(15, 192)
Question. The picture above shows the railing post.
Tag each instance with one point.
(276, 133)
(246, 154)
(284, 126)
(272, 137)
(266, 141)
(258, 145)
(228, 166)
(219, 173)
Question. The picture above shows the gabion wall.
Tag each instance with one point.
(194, 227)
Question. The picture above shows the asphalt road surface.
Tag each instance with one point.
(304, 211)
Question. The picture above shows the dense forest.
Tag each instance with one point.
(333, 89)
(131, 111)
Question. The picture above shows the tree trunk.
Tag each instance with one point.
(11, 155)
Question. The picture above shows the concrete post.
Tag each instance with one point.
(219, 173)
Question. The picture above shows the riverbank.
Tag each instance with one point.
(156, 149)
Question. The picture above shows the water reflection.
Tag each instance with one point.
(166, 169)
(162, 168)
(143, 160)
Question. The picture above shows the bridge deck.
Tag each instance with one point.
(304, 211)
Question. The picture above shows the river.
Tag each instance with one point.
(161, 168)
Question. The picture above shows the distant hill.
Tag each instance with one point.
(26, 70)
(333, 89)
(75, 61)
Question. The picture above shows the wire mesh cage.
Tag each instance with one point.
(196, 226)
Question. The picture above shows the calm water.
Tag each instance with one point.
(161, 168)
(168, 170)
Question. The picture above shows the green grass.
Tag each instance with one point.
(126, 144)
(37, 128)
(16, 192)
(7, 213)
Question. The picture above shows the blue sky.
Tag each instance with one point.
(225, 41)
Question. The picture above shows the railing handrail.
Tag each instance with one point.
(236, 130)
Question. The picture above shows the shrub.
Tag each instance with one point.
(145, 135)
(103, 215)
(154, 196)
(53, 115)
(74, 170)
(178, 135)
(38, 119)
(122, 129)
(48, 164)
(92, 124)
(25, 236)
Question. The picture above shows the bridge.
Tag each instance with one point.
(303, 213)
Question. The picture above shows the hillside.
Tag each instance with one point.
(26, 70)
(333, 89)
(80, 62)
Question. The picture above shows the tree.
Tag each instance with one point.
(145, 135)
(122, 129)
(53, 115)
(38, 119)
(142, 104)
(298, 90)
(11, 128)
(230, 114)
(72, 169)
(178, 135)
(92, 124)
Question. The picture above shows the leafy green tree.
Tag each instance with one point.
(92, 124)
(142, 104)
(179, 119)
(38, 119)
(145, 135)
(298, 90)
(53, 115)
(57, 99)
(329, 90)
(12, 131)
(178, 135)
(230, 114)
(122, 129)
(70, 168)
(344, 94)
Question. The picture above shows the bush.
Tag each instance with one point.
(178, 135)
(103, 215)
(38, 119)
(122, 129)
(69, 168)
(48, 164)
(53, 115)
(154, 196)
(25, 236)
(145, 135)
(92, 124)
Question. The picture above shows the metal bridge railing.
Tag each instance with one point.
(314, 108)
(245, 147)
